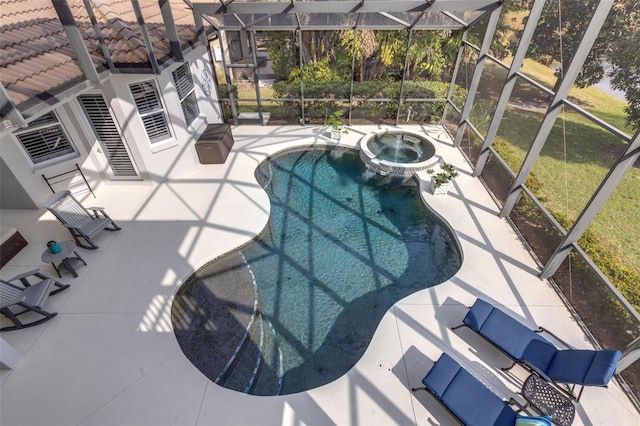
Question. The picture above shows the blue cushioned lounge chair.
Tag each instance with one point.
(465, 397)
(573, 367)
(530, 349)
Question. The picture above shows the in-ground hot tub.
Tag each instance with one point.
(397, 153)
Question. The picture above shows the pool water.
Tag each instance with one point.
(341, 247)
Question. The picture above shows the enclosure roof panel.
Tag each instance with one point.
(427, 14)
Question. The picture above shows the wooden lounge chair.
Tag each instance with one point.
(582, 367)
(16, 300)
(78, 220)
(34, 277)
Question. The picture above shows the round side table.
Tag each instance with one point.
(64, 258)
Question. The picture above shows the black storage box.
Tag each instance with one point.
(214, 144)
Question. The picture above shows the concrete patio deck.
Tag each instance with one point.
(110, 357)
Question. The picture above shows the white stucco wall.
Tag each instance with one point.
(30, 175)
(175, 156)
(155, 163)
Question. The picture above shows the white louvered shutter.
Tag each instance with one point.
(184, 86)
(106, 130)
(147, 100)
(45, 139)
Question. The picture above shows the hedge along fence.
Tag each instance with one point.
(337, 91)
(334, 93)
(624, 278)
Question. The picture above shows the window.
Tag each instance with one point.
(184, 86)
(45, 139)
(147, 100)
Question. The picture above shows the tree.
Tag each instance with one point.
(365, 46)
(558, 35)
(282, 47)
(625, 59)
(560, 30)
(380, 55)
(432, 54)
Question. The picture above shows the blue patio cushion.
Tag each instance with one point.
(478, 314)
(602, 368)
(441, 375)
(583, 367)
(471, 401)
(539, 354)
(501, 329)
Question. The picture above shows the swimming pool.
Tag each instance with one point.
(296, 308)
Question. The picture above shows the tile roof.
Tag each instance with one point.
(37, 60)
(33, 49)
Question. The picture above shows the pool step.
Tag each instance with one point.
(257, 365)
(212, 313)
(242, 370)
(269, 376)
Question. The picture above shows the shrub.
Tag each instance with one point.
(422, 112)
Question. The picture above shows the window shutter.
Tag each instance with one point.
(182, 80)
(107, 132)
(147, 100)
(190, 108)
(156, 125)
(46, 141)
(185, 89)
(146, 97)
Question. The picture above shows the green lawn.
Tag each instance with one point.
(567, 180)
(591, 99)
(566, 186)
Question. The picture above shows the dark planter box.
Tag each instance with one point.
(215, 143)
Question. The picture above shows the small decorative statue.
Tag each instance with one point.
(54, 247)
